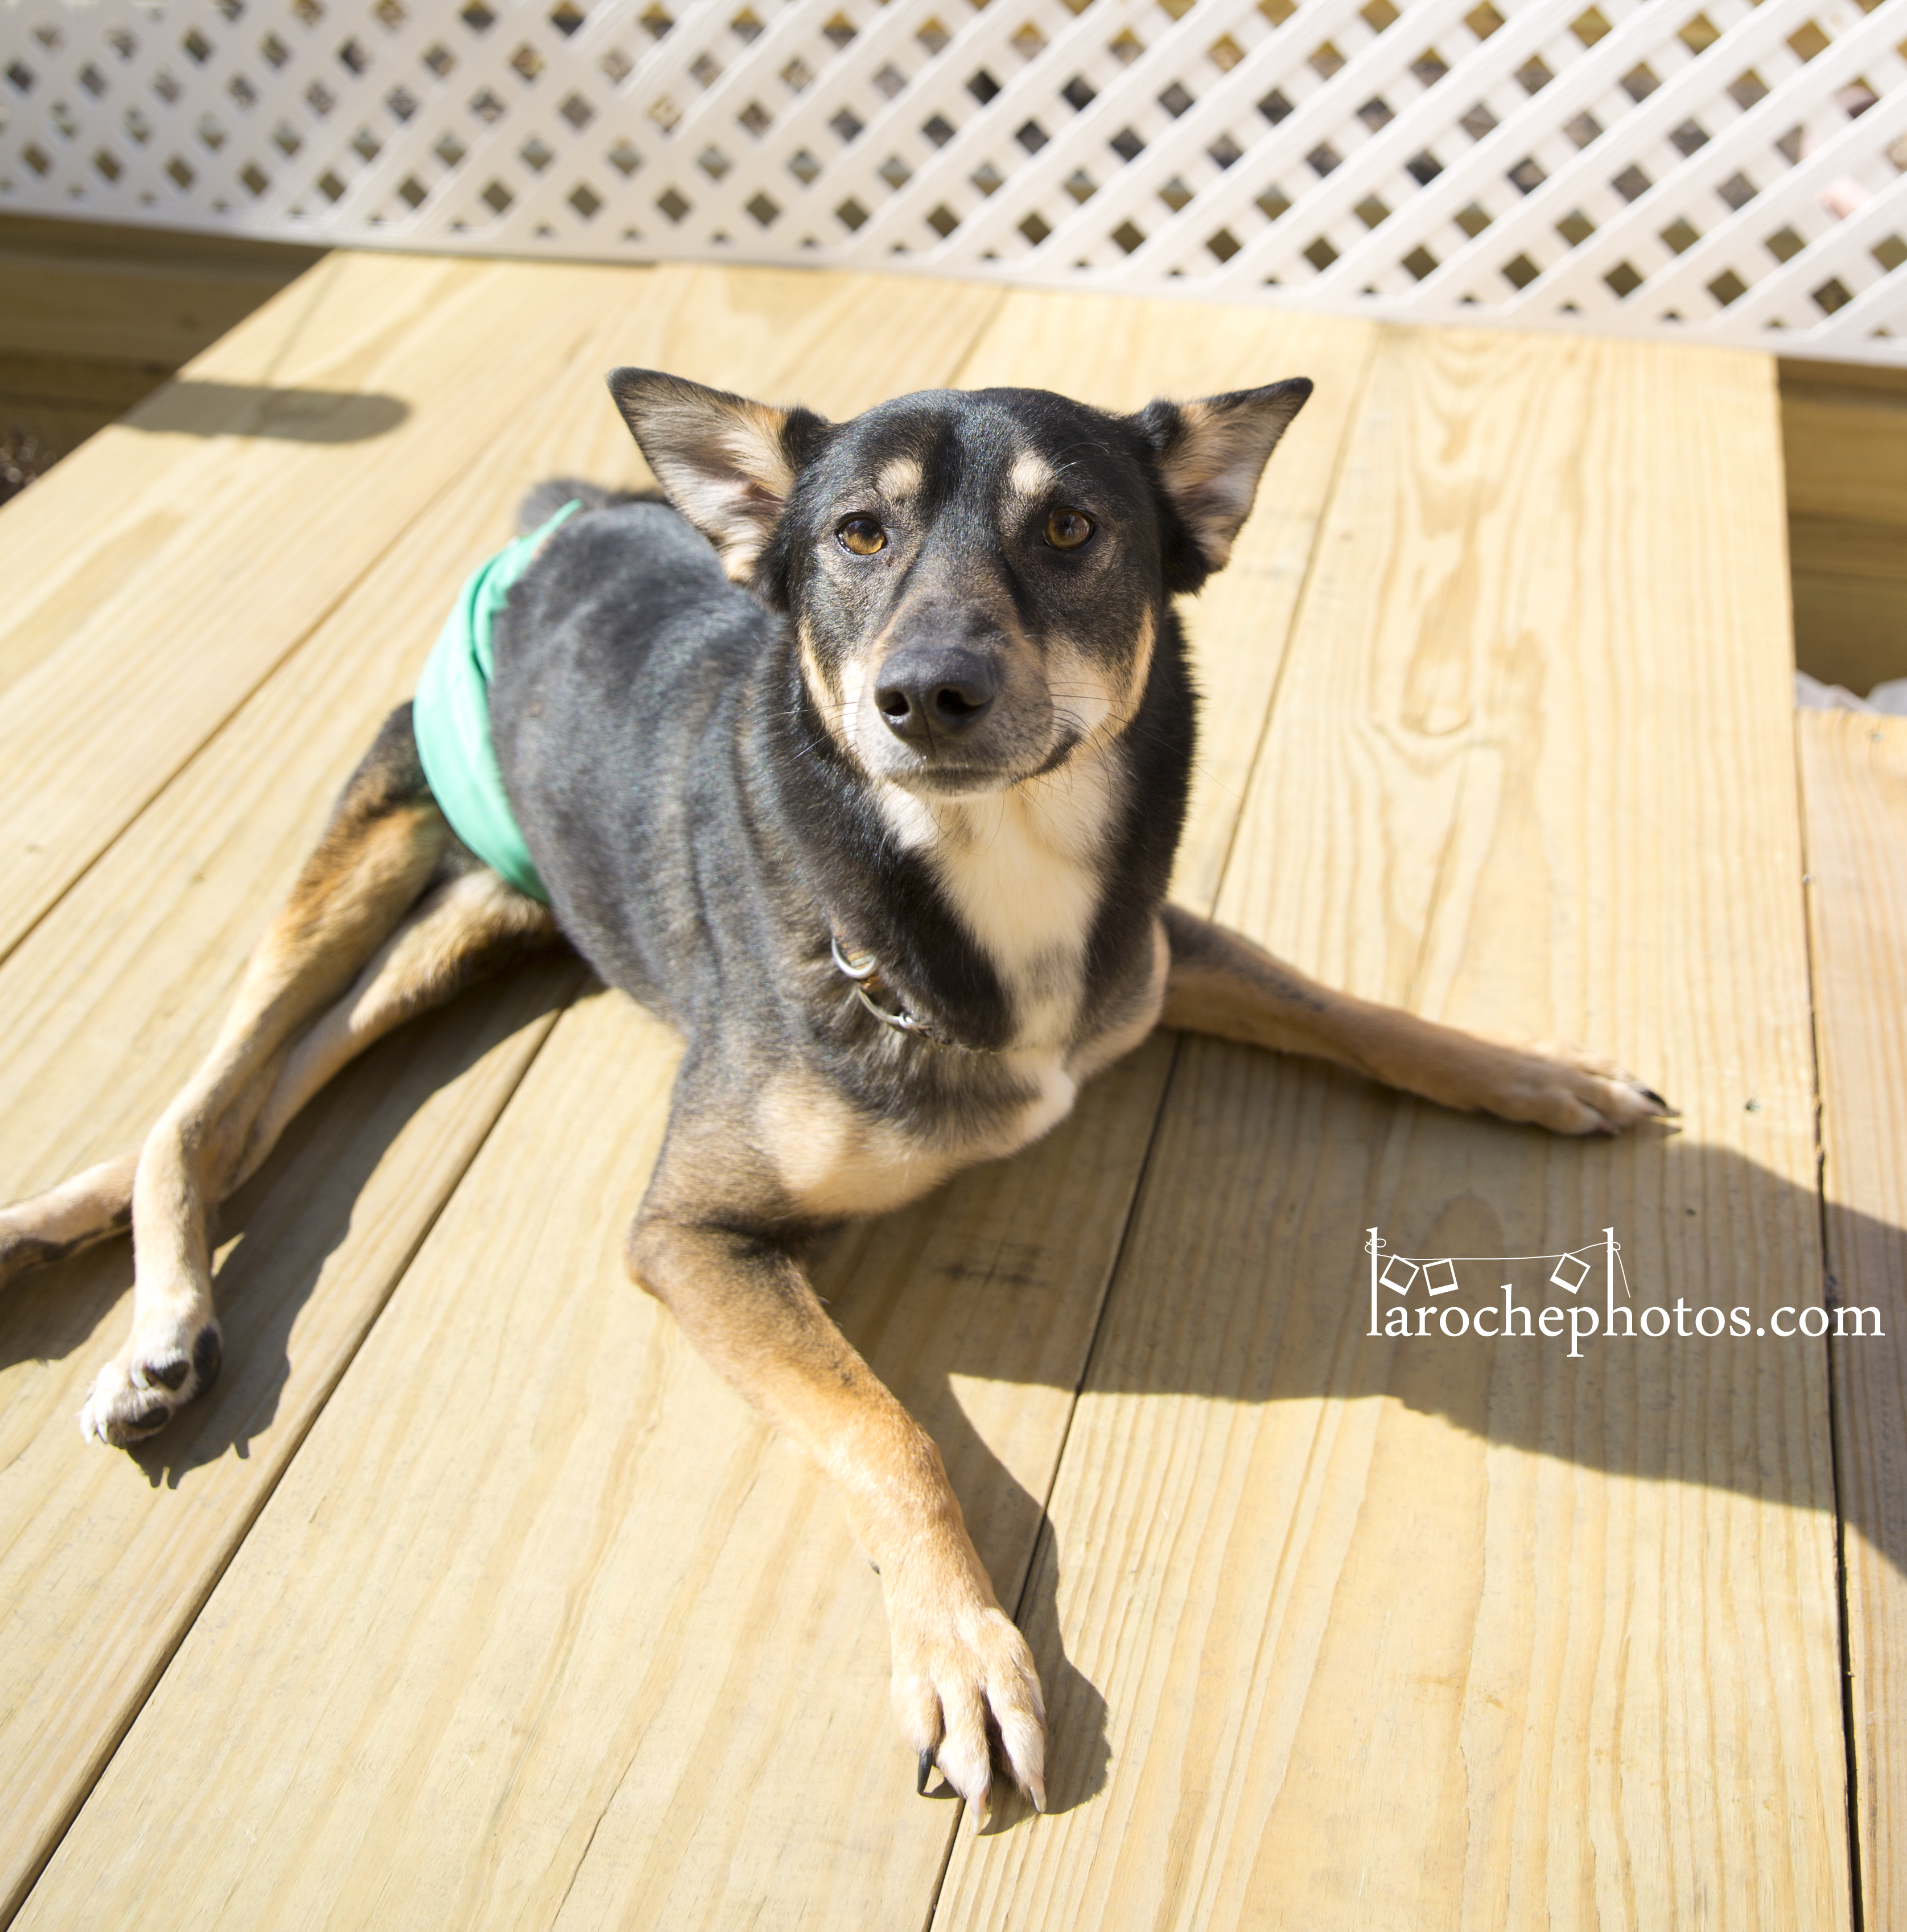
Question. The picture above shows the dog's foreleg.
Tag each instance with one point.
(1220, 982)
(745, 1302)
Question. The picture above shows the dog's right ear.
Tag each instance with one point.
(1210, 455)
(727, 464)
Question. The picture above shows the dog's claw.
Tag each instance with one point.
(925, 1770)
(1560, 1086)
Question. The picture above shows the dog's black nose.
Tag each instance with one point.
(933, 692)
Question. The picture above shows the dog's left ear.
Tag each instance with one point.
(1211, 454)
(727, 464)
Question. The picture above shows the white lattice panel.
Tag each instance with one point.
(1730, 171)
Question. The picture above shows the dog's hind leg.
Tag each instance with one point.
(93, 1207)
(354, 938)
(464, 927)
(384, 839)
(1220, 982)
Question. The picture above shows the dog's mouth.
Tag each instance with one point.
(948, 783)
(947, 780)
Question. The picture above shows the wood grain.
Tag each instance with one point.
(107, 1005)
(1850, 629)
(1829, 547)
(539, 1626)
(86, 530)
(142, 298)
(575, 1638)
(109, 1001)
(1854, 787)
(1451, 1632)
(1844, 436)
(1832, 381)
(58, 401)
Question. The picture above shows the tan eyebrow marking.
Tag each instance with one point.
(1031, 476)
(900, 478)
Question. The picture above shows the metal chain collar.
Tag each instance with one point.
(863, 971)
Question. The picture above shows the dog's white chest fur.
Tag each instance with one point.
(1023, 870)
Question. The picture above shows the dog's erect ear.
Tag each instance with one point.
(1211, 454)
(727, 464)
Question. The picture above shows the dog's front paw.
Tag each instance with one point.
(1569, 1091)
(963, 1676)
(142, 1388)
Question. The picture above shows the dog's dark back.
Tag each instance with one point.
(619, 664)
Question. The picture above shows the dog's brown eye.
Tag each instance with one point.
(1067, 529)
(862, 535)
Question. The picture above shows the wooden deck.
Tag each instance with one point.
(470, 1598)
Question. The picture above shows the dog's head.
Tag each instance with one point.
(976, 580)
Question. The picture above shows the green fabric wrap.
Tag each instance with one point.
(450, 715)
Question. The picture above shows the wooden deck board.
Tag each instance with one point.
(1854, 783)
(550, 1630)
(104, 1009)
(537, 1625)
(1440, 1633)
(107, 1004)
(138, 299)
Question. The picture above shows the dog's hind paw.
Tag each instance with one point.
(139, 1391)
(1562, 1088)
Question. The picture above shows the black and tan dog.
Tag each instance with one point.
(864, 764)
